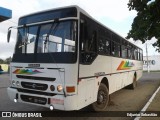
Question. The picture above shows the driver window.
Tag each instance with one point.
(90, 45)
(88, 40)
(88, 36)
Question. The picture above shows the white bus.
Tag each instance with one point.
(66, 60)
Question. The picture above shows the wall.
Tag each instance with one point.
(153, 61)
(4, 67)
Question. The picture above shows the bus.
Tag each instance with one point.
(66, 60)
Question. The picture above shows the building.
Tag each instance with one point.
(153, 63)
(4, 68)
(5, 14)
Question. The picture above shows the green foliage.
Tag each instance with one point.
(1, 61)
(146, 24)
(6, 61)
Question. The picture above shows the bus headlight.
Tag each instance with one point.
(15, 100)
(13, 82)
(51, 107)
(59, 88)
(52, 88)
(17, 83)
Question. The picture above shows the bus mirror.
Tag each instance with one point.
(8, 35)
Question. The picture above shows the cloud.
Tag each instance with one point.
(114, 11)
(151, 49)
(6, 49)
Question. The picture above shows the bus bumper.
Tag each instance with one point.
(58, 102)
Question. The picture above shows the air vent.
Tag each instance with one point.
(33, 99)
(35, 86)
(36, 78)
(35, 92)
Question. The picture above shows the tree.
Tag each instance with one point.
(1, 61)
(8, 60)
(146, 24)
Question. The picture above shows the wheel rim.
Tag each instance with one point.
(102, 99)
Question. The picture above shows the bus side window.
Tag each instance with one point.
(129, 51)
(116, 49)
(92, 42)
(104, 41)
(141, 55)
(136, 54)
(124, 51)
(83, 32)
(88, 41)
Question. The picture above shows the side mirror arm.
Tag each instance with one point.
(9, 34)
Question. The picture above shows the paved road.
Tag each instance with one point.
(122, 100)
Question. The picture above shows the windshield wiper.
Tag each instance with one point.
(25, 43)
(52, 29)
(25, 38)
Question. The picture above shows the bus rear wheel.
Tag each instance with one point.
(102, 99)
(134, 84)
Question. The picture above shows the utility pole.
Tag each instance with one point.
(147, 58)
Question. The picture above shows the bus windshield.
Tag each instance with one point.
(46, 38)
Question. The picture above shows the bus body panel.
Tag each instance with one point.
(117, 79)
(62, 74)
(64, 104)
(87, 92)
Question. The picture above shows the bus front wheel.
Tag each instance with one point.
(102, 99)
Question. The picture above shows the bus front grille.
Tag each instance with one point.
(33, 99)
(35, 78)
(35, 92)
(35, 86)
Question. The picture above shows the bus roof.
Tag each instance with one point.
(77, 7)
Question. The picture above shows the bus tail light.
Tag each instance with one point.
(70, 89)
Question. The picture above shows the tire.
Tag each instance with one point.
(134, 84)
(102, 99)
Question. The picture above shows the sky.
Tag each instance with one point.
(112, 13)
